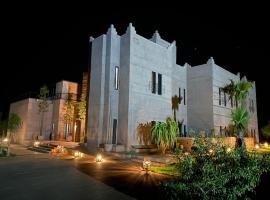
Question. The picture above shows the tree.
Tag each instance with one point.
(70, 107)
(237, 90)
(14, 123)
(3, 132)
(82, 110)
(230, 89)
(241, 90)
(43, 104)
(240, 118)
(175, 105)
(164, 134)
(266, 130)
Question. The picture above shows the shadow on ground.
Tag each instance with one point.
(125, 176)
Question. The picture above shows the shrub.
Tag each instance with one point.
(164, 134)
(211, 171)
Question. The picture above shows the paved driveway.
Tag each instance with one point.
(32, 175)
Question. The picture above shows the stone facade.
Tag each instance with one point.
(54, 121)
(133, 79)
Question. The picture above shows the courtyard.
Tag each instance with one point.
(33, 175)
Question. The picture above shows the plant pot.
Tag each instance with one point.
(108, 147)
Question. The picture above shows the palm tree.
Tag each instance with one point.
(230, 89)
(240, 118)
(241, 90)
(175, 105)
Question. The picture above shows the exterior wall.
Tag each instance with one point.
(200, 95)
(53, 121)
(28, 111)
(251, 105)
(222, 113)
(20, 108)
(133, 102)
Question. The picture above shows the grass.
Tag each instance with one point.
(167, 170)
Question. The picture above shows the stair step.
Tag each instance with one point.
(38, 149)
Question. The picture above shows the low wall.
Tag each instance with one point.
(187, 142)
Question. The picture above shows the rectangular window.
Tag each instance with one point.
(154, 82)
(114, 131)
(185, 130)
(225, 100)
(184, 96)
(116, 80)
(219, 96)
(159, 84)
(179, 96)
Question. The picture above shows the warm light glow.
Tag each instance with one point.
(146, 165)
(99, 158)
(229, 150)
(78, 154)
(36, 143)
(211, 151)
(265, 144)
(257, 146)
(5, 140)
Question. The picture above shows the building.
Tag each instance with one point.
(56, 123)
(133, 79)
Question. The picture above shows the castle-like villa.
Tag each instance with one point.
(133, 79)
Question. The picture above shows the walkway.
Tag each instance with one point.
(32, 175)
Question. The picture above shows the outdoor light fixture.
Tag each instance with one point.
(78, 154)
(146, 165)
(229, 150)
(211, 151)
(265, 144)
(36, 143)
(257, 146)
(99, 158)
(5, 140)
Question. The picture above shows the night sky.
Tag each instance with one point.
(46, 44)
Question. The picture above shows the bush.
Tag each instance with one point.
(212, 171)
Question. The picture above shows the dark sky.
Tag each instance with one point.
(45, 44)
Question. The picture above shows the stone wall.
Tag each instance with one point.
(187, 142)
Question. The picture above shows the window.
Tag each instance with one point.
(116, 80)
(179, 96)
(225, 100)
(185, 130)
(184, 96)
(159, 84)
(67, 130)
(232, 102)
(154, 82)
(219, 96)
(114, 131)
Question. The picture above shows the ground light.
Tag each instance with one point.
(36, 143)
(265, 144)
(99, 158)
(146, 165)
(257, 146)
(78, 154)
(5, 140)
(229, 150)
